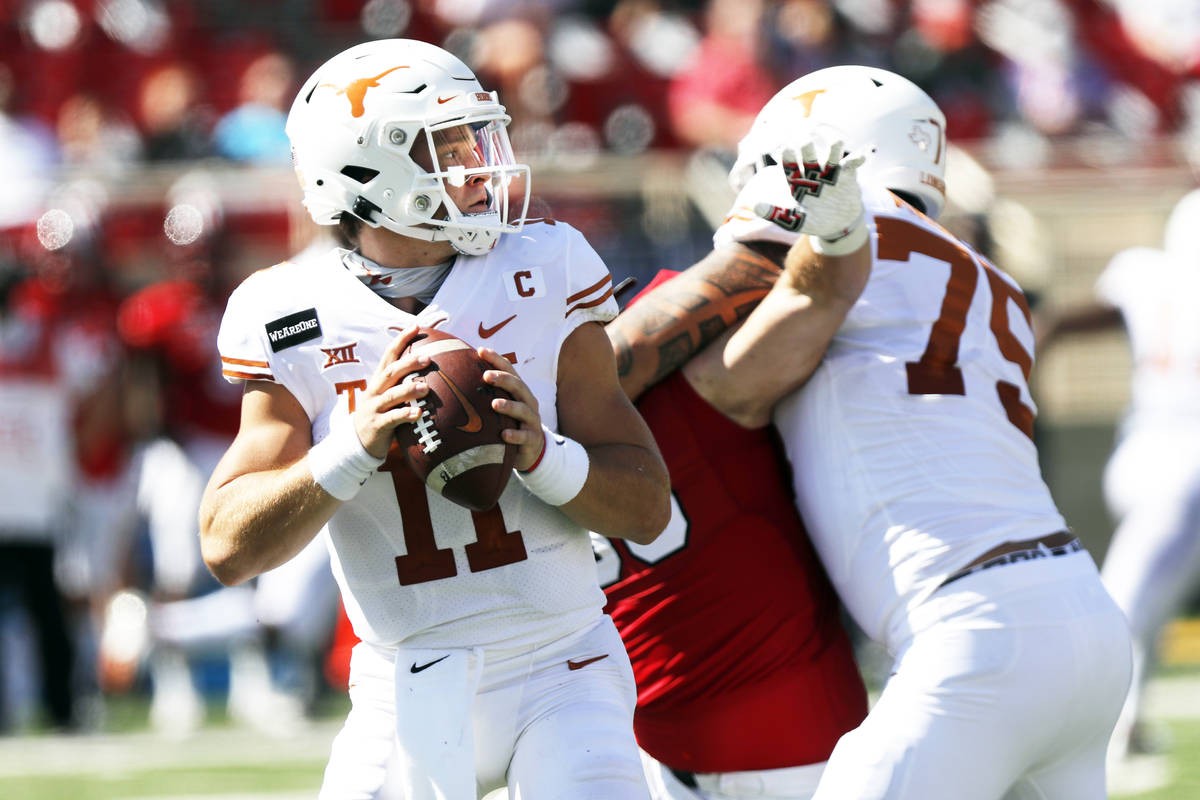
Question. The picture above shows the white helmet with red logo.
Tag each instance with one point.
(876, 113)
(357, 119)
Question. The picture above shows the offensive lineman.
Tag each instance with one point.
(486, 658)
(913, 462)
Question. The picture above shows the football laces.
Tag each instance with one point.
(427, 433)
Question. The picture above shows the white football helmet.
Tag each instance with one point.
(356, 121)
(876, 113)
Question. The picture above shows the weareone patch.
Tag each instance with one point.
(293, 329)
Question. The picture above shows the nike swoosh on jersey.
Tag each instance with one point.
(446, 99)
(487, 333)
(574, 665)
(415, 669)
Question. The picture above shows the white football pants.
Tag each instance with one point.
(1006, 686)
(482, 719)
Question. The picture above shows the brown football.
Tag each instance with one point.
(455, 447)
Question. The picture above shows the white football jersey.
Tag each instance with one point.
(1156, 293)
(911, 444)
(412, 566)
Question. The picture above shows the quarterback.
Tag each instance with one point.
(914, 468)
(485, 659)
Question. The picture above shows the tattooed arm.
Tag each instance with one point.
(670, 324)
(779, 345)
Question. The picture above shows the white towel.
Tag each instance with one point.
(435, 690)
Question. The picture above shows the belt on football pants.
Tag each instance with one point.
(1054, 544)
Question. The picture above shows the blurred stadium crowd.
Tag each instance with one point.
(111, 404)
(114, 83)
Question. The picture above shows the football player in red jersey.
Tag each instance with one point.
(170, 327)
(186, 416)
(746, 677)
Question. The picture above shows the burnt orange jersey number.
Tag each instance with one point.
(937, 371)
(494, 546)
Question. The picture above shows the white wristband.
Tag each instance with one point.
(840, 246)
(339, 463)
(560, 472)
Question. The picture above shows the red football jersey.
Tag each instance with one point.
(733, 629)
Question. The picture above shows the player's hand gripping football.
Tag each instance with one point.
(384, 403)
(523, 407)
(828, 199)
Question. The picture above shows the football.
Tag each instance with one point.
(455, 447)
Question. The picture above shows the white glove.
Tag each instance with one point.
(829, 200)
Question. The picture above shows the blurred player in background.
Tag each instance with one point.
(78, 285)
(746, 676)
(485, 659)
(1152, 480)
(913, 460)
(64, 448)
(189, 415)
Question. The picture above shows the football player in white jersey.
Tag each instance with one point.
(486, 659)
(914, 466)
(1152, 480)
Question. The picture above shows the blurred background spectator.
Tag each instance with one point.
(28, 156)
(580, 75)
(176, 127)
(254, 130)
(716, 95)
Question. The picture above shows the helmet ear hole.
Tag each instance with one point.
(911, 199)
(360, 174)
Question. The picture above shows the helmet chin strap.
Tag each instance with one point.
(467, 242)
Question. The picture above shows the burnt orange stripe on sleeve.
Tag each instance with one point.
(244, 362)
(589, 290)
(249, 376)
(590, 303)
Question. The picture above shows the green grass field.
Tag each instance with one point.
(1172, 701)
(222, 762)
(1179, 771)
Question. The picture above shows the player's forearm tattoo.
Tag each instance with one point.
(674, 322)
